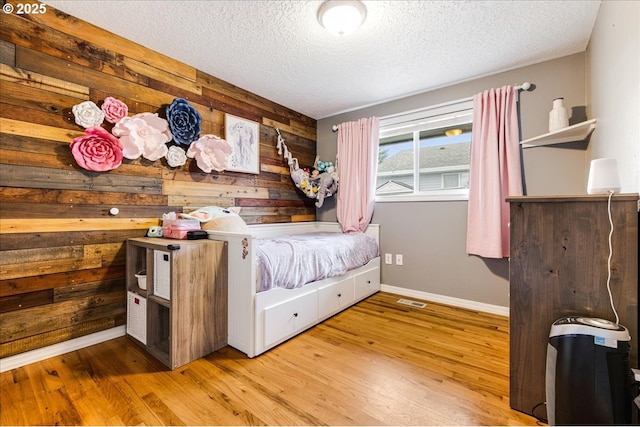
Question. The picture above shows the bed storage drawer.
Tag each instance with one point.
(286, 319)
(367, 283)
(334, 297)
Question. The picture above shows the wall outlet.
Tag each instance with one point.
(388, 258)
(399, 260)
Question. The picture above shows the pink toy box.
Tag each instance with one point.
(177, 228)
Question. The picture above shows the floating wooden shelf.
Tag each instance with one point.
(574, 133)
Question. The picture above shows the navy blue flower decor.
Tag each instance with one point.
(185, 122)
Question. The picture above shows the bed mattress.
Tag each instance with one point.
(295, 260)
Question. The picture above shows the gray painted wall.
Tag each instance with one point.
(431, 235)
(613, 89)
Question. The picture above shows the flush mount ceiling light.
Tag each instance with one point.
(342, 17)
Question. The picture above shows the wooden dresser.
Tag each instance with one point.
(558, 268)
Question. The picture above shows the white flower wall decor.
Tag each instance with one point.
(87, 114)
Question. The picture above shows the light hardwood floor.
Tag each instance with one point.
(377, 363)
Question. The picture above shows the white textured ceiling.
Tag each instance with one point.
(277, 49)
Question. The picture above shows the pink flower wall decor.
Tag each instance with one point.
(211, 153)
(97, 150)
(144, 134)
(87, 114)
(114, 109)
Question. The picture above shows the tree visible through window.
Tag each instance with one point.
(427, 155)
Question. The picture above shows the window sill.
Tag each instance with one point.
(423, 198)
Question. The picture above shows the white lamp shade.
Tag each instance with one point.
(603, 177)
(342, 17)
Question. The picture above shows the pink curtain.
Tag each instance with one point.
(495, 171)
(358, 166)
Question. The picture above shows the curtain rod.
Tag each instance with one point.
(524, 86)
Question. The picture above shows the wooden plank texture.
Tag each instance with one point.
(43, 82)
(24, 285)
(59, 244)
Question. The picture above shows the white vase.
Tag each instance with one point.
(558, 117)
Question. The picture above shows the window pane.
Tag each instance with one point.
(451, 180)
(425, 153)
(395, 165)
(444, 160)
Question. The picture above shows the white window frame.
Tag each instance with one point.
(438, 116)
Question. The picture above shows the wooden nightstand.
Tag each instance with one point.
(182, 314)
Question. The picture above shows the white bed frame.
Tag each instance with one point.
(259, 321)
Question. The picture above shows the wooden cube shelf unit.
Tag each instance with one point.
(182, 314)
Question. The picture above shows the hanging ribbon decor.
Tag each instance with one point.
(320, 183)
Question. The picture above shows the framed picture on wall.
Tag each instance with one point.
(244, 137)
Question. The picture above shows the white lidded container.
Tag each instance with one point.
(142, 280)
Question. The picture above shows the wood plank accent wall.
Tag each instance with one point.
(63, 255)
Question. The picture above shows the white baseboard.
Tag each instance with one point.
(13, 362)
(443, 299)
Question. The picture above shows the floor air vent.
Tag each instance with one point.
(412, 303)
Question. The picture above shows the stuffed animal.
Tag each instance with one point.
(220, 219)
(319, 183)
(327, 186)
(323, 166)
